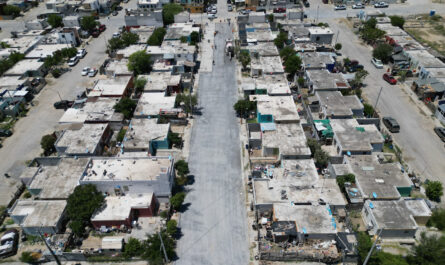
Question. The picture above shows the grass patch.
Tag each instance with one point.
(388, 148)
(254, 120)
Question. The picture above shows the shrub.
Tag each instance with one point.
(434, 190)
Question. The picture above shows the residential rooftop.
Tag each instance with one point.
(259, 35)
(355, 137)
(289, 138)
(111, 87)
(295, 172)
(316, 59)
(151, 103)
(159, 81)
(39, 213)
(425, 59)
(268, 65)
(142, 131)
(144, 33)
(57, 179)
(44, 50)
(391, 30)
(282, 108)
(94, 110)
(10, 82)
(319, 30)
(24, 44)
(24, 66)
(325, 80)
(273, 84)
(126, 169)
(84, 140)
(126, 52)
(118, 68)
(264, 49)
(334, 103)
(309, 219)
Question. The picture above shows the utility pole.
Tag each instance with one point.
(336, 38)
(317, 12)
(49, 248)
(377, 101)
(372, 248)
(163, 247)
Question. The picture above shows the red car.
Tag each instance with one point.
(390, 79)
(279, 10)
(102, 28)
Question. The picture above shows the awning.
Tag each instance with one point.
(189, 64)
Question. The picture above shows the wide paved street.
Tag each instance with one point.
(214, 226)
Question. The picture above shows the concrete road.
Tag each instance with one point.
(214, 225)
(421, 147)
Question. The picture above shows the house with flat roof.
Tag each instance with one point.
(117, 68)
(151, 104)
(273, 85)
(323, 80)
(391, 30)
(146, 135)
(95, 110)
(320, 35)
(116, 87)
(23, 44)
(120, 211)
(36, 217)
(27, 67)
(126, 52)
(270, 65)
(395, 218)
(55, 178)
(317, 61)
(44, 50)
(256, 35)
(144, 33)
(88, 140)
(162, 82)
(276, 109)
(421, 60)
(351, 137)
(122, 175)
(263, 49)
(333, 105)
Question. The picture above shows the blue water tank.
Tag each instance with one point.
(432, 12)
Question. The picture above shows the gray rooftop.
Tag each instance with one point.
(268, 65)
(282, 108)
(274, 84)
(355, 137)
(159, 81)
(325, 80)
(260, 35)
(391, 30)
(289, 138)
(99, 109)
(425, 59)
(142, 131)
(264, 49)
(296, 172)
(151, 103)
(119, 207)
(24, 66)
(335, 104)
(81, 141)
(39, 213)
(116, 67)
(316, 60)
(144, 33)
(111, 87)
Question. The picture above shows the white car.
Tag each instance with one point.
(358, 6)
(116, 35)
(381, 5)
(92, 72)
(85, 71)
(377, 63)
(212, 16)
(73, 61)
(81, 53)
(340, 7)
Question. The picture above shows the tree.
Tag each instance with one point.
(364, 244)
(429, 251)
(300, 81)
(172, 227)
(371, 35)
(153, 249)
(338, 46)
(270, 18)
(244, 57)
(121, 135)
(88, 23)
(129, 38)
(157, 37)
(81, 205)
(175, 140)
(244, 107)
(169, 11)
(27, 257)
(281, 39)
(177, 200)
(437, 219)
(371, 23)
(182, 168)
(133, 248)
(286, 53)
(139, 84)
(55, 20)
(183, 39)
(194, 38)
(115, 44)
(359, 76)
(383, 52)
(345, 178)
(292, 65)
(384, 258)
(313, 145)
(10, 10)
(321, 158)
(188, 101)
(140, 63)
(368, 110)
(77, 227)
(126, 106)
(47, 143)
(434, 190)
(397, 21)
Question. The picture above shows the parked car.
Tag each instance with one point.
(391, 123)
(440, 131)
(390, 79)
(306, 4)
(95, 33)
(114, 13)
(381, 5)
(213, 11)
(85, 71)
(377, 63)
(244, 11)
(358, 6)
(102, 28)
(92, 72)
(116, 35)
(279, 10)
(211, 16)
(5, 133)
(63, 104)
(9, 243)
(73, 61)
(81, 53)
(229, 8)
(340, 7)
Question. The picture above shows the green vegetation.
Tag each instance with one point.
(368, 110)
(88, 23)
(55, 20)
(321, 157)
(56, 72)
(120, 136)
(194, 38)
(429, 251)
(58, 57)
(182, 168)
(172, 227)
(383, 52)
(157, 37)
(133, 248)
(125, 106)
(244, 107)
(163, 214)
(9, 62)
(359, 76)
(177, 200)
(10, 10)
(286, 53)
(370, 33)
(125, 40)
(140, 63)
(4, 45)
(27, 195)
(341, 180)
(81, 205)
(321, 24)
(188, 101)
(397, 21)
(169, 11)
(300, 81)
(292, 65)
(47, 143)
(153, 252)
(437, 219)
(27, 257)
(244, 57)
(281, 39)
(183, 39)
(338, 46)
(434, 190)
(139, 84)
(175, 140)
(270, 18)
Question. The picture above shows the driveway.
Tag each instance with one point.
(214, 225)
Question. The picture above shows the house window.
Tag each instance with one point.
(317, 39)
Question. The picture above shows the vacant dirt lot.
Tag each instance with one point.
(430, 31)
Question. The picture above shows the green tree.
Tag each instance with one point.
(133, 248)
(368, 110)
(88, 23)
(188, 101)
(157, 37)
(121, 135)
(4, 45)
(55, 20)
(47, 143)
(434, 190)
(175, 140)
(115, 44)
(313, 145)
(437, 219)
(429, 251)
(27, 257)
(67, 52)
(383, 52)
(126, 106)
(139, 84)
(338, 46)
(300, 81)
(194, 38)
(244, 57)
(397, 21)
(153, 251)
(169, 11)
(183, 39)
(270, 18)
(321, 158)
(129, 38)
(10, 10)
(359, 76)
(286, 53)
(371, 23)
(182, 167)
(281, 39)
(345, 178)
(77, 227)
(244, 107)
(292, 65)
(140, 63)
(172, 227)
(177, 200)
(364, 244)
(384, 258)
